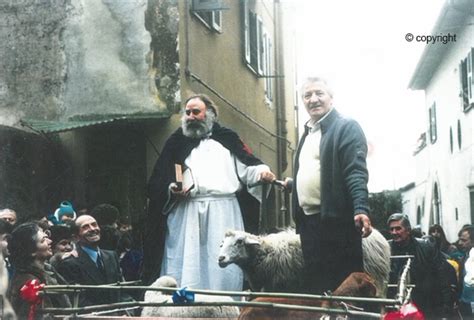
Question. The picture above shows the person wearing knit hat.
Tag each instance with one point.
(64, 213)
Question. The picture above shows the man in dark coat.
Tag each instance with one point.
(466, 272)
(92, 266)
(185, 226)
(432, 293)
(331, 196)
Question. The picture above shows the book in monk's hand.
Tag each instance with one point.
(184, 178)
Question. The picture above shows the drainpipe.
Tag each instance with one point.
(280, 108)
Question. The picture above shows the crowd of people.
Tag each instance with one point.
(90, 249)
(441, 271)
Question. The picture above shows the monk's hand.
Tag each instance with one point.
(362, 223)
(267, 176)
(177, 191)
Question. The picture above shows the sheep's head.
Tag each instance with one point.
(235, 248)
(159, 296)
(165, 281)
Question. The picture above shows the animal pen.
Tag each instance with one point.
(389, 308)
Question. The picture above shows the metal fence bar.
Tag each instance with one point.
(69, 288)
(371, 315)
(402, 297)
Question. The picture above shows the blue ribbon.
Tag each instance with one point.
(183, 296)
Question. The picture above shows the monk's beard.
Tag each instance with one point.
(198, 129)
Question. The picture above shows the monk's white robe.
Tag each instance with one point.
(197, 225)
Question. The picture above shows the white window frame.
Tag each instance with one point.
(209, 13)
(433, 125)
(246, 31)
(466, 77)
(268, 65)
(217, 21)
(470, 77)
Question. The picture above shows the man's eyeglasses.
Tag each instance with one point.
(193, 111)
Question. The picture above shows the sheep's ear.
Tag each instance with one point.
(251, 241)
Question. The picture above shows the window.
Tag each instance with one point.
(268, 65)
(433, 130)
(260, 45)
(451, 139)
(418, 215)
(436, 204)
(466, 73)
(209, 12)
(246, 30)
(257, 44)
(211, 19)
(459, 135)
(217, 20)
(253, 41)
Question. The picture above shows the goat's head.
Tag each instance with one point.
(235, 248)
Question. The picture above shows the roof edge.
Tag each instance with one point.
(90, 120)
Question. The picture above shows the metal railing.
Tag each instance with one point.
(403, 296)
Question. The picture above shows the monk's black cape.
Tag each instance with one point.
(177, 148)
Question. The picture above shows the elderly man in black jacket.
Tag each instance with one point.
(331, 197)
(432, 293)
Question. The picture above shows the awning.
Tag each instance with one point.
(86, 121)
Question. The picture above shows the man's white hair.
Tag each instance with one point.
(309, 80)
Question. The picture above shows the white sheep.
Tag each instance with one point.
(274, 262)
(270, 263)
(186, 311)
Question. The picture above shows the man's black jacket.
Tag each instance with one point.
(428, 273)
(344, 175)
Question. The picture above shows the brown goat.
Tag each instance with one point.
(357, 284)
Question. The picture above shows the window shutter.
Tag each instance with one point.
(433, 129)
(463, 84)
(260, 46)
(245, 30)
(470, 77)
(253, 41)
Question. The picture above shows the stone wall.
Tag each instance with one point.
(32, 60)
(60, 58)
